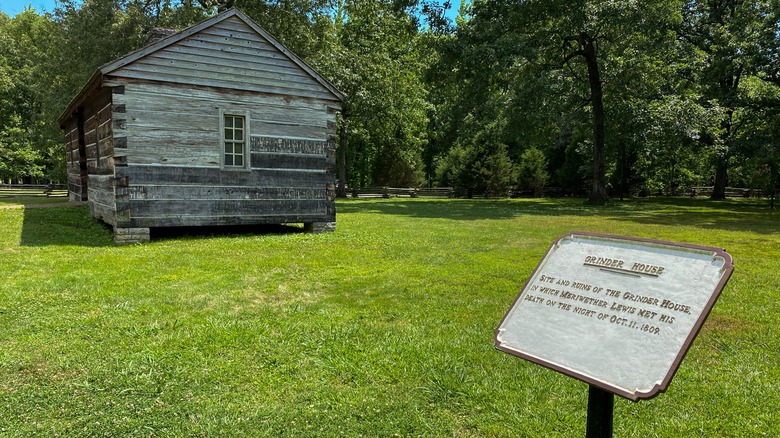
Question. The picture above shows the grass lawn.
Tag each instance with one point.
(383, 328)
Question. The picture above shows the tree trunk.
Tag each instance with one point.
(622, 167)
(722, 165)
(719, 187)
(341, 190)
(598, 194)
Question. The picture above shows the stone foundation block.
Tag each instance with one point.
(131, 235)
(319, 227)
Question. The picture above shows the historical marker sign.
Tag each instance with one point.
(618, 313)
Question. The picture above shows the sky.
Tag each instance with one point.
(13, 7)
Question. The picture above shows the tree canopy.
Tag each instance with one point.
(587, 97)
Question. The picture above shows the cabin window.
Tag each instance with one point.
(235, 133)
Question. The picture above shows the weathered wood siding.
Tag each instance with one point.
(172, 154)
(228, 55)
(98, 136)
(144, 138)
(75, 162)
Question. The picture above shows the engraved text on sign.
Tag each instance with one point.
(615, 312)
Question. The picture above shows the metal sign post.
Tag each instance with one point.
(600, 406)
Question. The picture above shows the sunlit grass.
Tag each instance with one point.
(382, 328)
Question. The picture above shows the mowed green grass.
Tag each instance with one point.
(382, 328)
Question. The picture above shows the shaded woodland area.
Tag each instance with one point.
(594, 98)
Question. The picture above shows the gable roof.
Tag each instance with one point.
(119, 65)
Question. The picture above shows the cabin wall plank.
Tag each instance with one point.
(166, 125)
(229, 55)
(287, 161)
(227, 207)
(223, 220)
(249, 58)
(73, 159)
(101, 198)
(173, 158)
(200, 176)
(172, 192)
(168, 99)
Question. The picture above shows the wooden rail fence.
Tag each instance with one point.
(398, 192)
(731, 192)
(34, 190)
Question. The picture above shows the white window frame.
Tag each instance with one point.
(245, 141)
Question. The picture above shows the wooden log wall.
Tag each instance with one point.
(171, 158)
(148, 141)
(99, 149)
(75, 162)
(119, 136)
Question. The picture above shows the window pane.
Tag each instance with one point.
(233, 141)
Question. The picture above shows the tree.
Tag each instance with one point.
(532, 171)
(375, 58)
(26, 140)
(546, 62)
(591, 38)
(723, 39)
(479, 163)
(472, 114)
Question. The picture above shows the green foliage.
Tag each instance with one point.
(302, 25)
(18, 157)
(724, 40)
(25, 140)
(688, 88)
(532, 172)
(479, 165)
(380, 72)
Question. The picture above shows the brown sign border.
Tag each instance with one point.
(728, 268)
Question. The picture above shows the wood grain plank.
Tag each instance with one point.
(219, 63)
(196, 81)
(174, 192)
(179, 71)
(262, 109)
(221, 207)
(287, 161)
(254, 61)
(258, 53)
(163, 175)
(225, 220)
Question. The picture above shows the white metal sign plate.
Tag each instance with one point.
(616, 312)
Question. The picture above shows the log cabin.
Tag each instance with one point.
(216, 125)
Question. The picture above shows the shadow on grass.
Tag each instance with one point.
(468, 209)
(732, 215)
(752, 215)
(222, 231)
(73, 225)
(63, 225)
